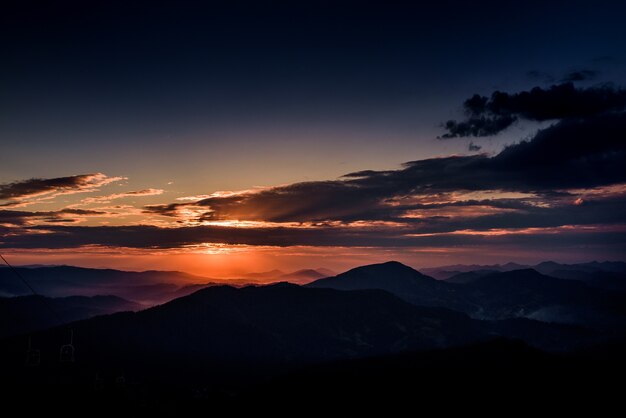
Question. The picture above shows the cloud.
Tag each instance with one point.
(473, 147)
(543, 76)
(478, 126)
(488, 116)
(572, 76)
(570, 154)
(581, 75)
(568, 180)
(114, 196)
(598, 218)
(13, 217)
(18, 191)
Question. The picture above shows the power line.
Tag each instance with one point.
(34, 292)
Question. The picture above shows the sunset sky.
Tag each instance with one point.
(225, 139)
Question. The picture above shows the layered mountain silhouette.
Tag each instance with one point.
(549, 268)
(281, 325)
(377, 319)
(224, 333)
(491, 295)
(299, 277)
(146, 287)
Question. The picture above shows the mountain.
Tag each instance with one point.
(326, 272)
(547, 267)
(221, 341)
(528, 293)
(501, 368)
(445, 272)
(302, 276)
(225, 330)
(469, 276)
(272, 274)
(31, 313)
(492, 295)
(605, 275)
(220, 328)
(146, 287)
(400, 280)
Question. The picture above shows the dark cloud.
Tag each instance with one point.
(595, 212)
(477, 126)
(489, 116)
(581, 75)
(34, 187)
(428, 231)
(542, 76)
(164, 210)
(572, 76)
(473, 147)
(570, 154)
(425, 202)
(15, 217)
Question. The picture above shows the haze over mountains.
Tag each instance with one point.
(300, 276)
(490, 294)
(78, 293)
(147, 287)
(580, 293)
(545, 267)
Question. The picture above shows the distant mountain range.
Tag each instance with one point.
(605, 275)
(299, 277)
(547, 267)
(490, 294)
(146, 287)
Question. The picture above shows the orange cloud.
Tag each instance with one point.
(114, 196)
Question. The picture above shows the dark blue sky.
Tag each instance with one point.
(196, 79)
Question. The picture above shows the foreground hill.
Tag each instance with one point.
(281, 322)
(506, 371)
(255, 330)
(220, 342)
(31, 313)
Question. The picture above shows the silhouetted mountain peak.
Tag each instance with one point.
(392, 276)
(389, 267)
(548, 264)
(391, 263)
(391, 271)
(513, 266)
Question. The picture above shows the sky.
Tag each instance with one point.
(222, 138)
